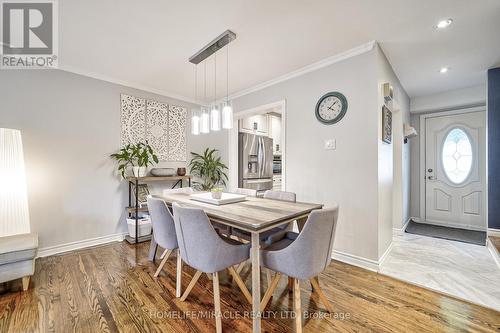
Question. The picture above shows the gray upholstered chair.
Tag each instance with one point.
(302, 257)
(17, 257)
(153, 246)
(276, 233)
(165, 236)
(204, 250)
(187, 190)
(280, 195)
(245, 191)
(268, 237)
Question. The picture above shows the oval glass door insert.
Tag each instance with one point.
(457, 156)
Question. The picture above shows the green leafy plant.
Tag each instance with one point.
(139, 154)
(209, 169)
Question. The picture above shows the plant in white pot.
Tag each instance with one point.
(139, 156)
(209, 169)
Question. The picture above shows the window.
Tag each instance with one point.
(457, 156)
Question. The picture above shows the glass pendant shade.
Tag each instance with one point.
(215, 118)
(227, 116)
(205, 121)
(195, 123)
(14, 214)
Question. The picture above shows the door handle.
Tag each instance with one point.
(430, 178)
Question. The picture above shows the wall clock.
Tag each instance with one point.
(331, 107)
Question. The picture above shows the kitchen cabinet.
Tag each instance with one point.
(275, 133)
(257, 124)
(276, 182)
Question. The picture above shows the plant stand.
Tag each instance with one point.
(134, 210)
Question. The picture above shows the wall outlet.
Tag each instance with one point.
(330, 144)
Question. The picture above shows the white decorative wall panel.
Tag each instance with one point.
(157, 129)
(177, 133)
(133, 119)
(162, 125)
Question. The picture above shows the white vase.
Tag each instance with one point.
(139, 171)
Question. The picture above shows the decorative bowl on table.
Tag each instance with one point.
(163, 172)
(181, 171)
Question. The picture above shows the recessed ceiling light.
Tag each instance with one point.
(444, 70)
(444, 23)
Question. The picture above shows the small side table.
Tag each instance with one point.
(133, 210)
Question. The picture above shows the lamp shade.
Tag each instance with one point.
(14, 214)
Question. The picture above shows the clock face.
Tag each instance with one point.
(331, 108)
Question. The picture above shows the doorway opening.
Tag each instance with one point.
(257, 148)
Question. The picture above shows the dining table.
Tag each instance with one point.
(254, 215)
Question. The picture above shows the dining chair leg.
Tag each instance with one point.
(269, 277)
(290, 284)
(240, 267)
(191, 285)
(218, 313)
(297, 306)
(178, 282)
(162, 263)
(163, 254)
(240, 284)
(209, 276)
(322, 296)
(269, 292)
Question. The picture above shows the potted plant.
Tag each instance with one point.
(209, 169)
(139, 156)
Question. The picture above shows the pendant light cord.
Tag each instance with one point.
(227, 73)
(215, 78)
(196, 83)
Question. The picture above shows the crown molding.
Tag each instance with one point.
(132, 85)
(301, 71)
(309, 68)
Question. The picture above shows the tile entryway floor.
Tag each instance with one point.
(463, 270)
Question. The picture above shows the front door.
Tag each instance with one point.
(455, 170)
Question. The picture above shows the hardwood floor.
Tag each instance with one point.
(496, 242)
(112, 289)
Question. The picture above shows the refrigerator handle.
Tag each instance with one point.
(260, 155)
(264, 160)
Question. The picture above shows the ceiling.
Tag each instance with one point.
(146, 44)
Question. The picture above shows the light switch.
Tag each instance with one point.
(330, 144)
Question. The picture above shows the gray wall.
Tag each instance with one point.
(393, 159)
(347, 175)
(70, 124)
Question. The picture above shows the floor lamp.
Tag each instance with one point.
(14, 214)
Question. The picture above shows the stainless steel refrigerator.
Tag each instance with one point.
(255, 154)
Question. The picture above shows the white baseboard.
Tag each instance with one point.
(52, 250)
(354, 260)
(494, 252)
(493, 232)
(398, 231)
(384, 256)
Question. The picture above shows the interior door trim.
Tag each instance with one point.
(422, 135)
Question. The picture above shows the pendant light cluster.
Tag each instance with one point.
(215, 116)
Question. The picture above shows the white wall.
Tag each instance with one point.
(393, 159)
(70, 124)
(448, 100)
(347, 175)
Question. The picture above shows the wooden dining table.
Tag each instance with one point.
(254, 215)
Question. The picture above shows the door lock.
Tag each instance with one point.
(429, 170)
